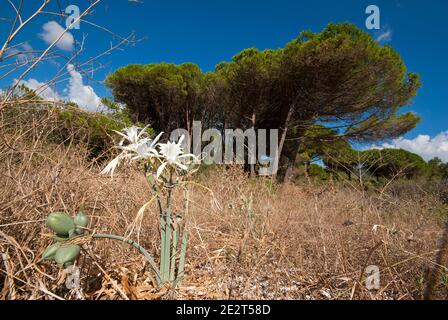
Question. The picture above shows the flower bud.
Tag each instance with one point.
(61, 223)
(81, 220)
(50, 252)
(66, 255)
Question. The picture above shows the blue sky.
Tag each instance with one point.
(206, 32)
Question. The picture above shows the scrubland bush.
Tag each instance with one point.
(68, 125)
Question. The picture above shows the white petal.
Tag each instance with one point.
(143, 131)
(193, 158)
(153, 152)
(182, 166)
(160, 169)
(121, 134)
(154, 142)
(110, 168)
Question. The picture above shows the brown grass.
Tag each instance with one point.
(249, 239)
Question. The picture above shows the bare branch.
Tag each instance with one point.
(10, 91)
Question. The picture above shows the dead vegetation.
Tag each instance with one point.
(250, 238)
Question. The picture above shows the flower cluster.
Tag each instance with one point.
(135, 145)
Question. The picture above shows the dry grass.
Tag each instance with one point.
(249, 239)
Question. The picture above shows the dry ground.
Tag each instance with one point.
(249, 239)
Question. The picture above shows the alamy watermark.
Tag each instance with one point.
(232, 146)
(73, 275)
(72, 12)
(372, 274)
(373, 21)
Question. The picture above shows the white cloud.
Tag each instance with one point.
(424, 146)
(84, 96)
(385, 36)
(42, 89)
(52, 31)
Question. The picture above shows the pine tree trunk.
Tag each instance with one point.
(288, 160)
(285, 130)
(281, 170)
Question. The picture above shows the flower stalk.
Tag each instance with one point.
(172, 261)
(142, 250)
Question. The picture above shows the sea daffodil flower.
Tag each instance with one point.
(138, 147)
(173, 155)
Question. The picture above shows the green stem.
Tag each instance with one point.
(153, 186)
(166, 235)
(166, 247)
(183, 252)
(174, 253)
(147, 255)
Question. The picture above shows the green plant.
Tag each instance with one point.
(166, 167)
(93, 128)
(70, 235)
(315, 170)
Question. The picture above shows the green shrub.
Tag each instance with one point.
(317, 172)
(70, 124)
(94, 129)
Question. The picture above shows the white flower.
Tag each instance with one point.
(135, 145)
(110, 168)
(132, 134)
(138, 147)
(170, 151)
(174, 156)
(143, 148)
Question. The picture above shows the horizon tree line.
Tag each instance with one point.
(340, 83)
